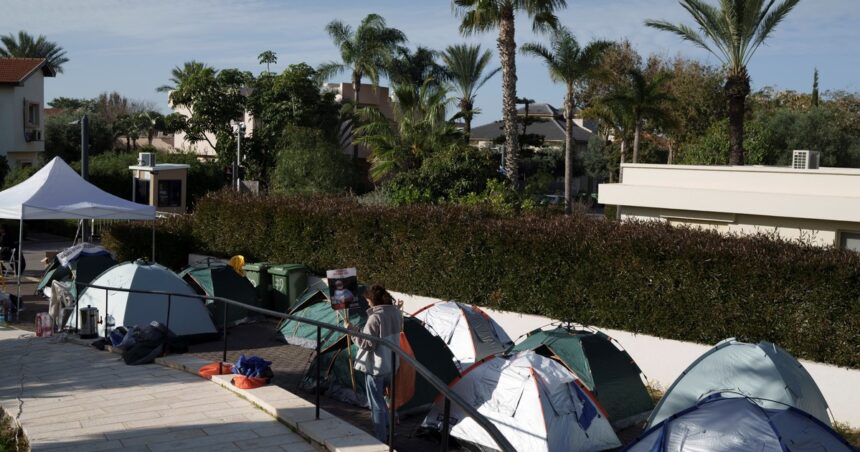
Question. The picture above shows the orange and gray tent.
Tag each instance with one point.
(469, 332)
(605, 369)
(535, 402)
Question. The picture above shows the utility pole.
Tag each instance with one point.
(85, 163)
(237, 182)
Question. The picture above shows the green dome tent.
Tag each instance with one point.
(605, 369)
(430, 350)
(313, 304)
(221, 280)
(80, 263)
(763, 371)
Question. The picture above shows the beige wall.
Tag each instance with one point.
(818, 232)
(812, 205)
(12, 142)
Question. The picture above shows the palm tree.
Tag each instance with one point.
(485, 15)
(154, 123)
(419, 129)
(618, 121)
(268, 57)
(184, 72)
(735, 30)
(365, 51)
(645, 98)
(27, 47)
(570, 64)
(465, 65)
(414, 68)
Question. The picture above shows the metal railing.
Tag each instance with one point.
(503, 444)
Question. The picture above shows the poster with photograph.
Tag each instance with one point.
(343, 288)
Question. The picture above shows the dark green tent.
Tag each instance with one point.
(84, 270)
(608, 371)
(221, 280)
(313, 304)
(334, 362)
(430, 350)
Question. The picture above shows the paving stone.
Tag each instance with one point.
(268, 441)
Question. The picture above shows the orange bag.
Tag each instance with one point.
(211, 369)
(243, 382)
(405, 376)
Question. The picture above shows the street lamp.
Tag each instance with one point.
(240, 130)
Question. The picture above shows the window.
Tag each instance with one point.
(170, 193)
(849, 241)
(33, 114)
(141, 191)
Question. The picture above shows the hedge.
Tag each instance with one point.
(651, 278)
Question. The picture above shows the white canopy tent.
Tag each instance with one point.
(57, 192)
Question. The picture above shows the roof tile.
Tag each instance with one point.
(15, 70)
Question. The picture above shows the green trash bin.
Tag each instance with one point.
(258, 274)
(289, 281)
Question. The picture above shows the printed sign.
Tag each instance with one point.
(343, 288)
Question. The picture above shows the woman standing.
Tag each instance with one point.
(375, 360)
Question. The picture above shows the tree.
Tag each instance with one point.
(289, 99)
(465, 67)
(699, 99)
(25, 46)
(153, 123)
(485, 15)
(213, 100)
(72, 104)
(365, 52)
(570, 64)
(268, 57)
(414, 68)
(309, 161)
(815, 100)
(732, 33)
(419, 129)
(184, 72)
(617, 121)
(644, 98)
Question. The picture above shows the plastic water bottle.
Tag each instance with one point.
(109, 323)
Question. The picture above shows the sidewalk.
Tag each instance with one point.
(76, 398)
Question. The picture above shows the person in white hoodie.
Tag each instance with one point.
(375, 360)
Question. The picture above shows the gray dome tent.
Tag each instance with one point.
(762, 371)
(189, 317)
(728, 423)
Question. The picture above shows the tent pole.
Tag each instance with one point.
(18, 263)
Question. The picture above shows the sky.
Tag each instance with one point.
(131, 46)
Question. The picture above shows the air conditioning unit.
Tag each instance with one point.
(805, 159)
(146, 158)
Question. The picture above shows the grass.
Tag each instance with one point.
(852, 435)
(9, 431)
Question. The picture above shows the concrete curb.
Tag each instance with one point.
(330, 432)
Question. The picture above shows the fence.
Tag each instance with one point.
(438, 384)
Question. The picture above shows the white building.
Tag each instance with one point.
(22, 107)
(819, 205)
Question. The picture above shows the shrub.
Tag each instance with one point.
(650, 278)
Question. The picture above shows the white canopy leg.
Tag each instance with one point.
(153, 241)
(18, 263)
